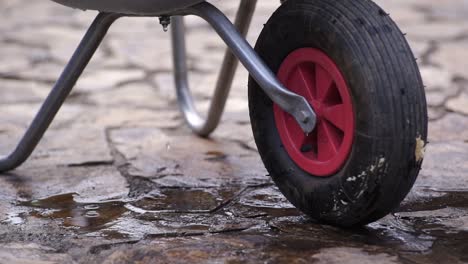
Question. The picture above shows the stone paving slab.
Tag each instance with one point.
(119, 178)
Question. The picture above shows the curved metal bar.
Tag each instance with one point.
(204, 127)
(290, 102)
(60, 91)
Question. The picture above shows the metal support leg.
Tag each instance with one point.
(290, 102)
(223, 86)
(60, 91)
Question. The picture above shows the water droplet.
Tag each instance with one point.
(14, 219)
(92, 214)
(91, 207)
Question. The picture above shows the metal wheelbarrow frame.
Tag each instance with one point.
(233, 36)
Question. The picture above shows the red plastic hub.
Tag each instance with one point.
(311, 73)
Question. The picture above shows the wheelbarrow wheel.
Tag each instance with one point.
(354, 66)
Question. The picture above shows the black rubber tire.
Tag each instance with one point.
(389, 106)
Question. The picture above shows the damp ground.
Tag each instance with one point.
(119, 178)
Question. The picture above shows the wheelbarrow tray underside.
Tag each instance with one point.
(135, 7)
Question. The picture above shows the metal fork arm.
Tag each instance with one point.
(60, 91)
(290, 102)
(204, 127)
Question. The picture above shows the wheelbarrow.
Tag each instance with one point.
(336, 100)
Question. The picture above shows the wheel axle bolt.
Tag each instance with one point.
(305, 117)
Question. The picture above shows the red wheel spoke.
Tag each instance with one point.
(296, 133)
(336, 115)
(325, 147)
(304, 83)
(324, 83)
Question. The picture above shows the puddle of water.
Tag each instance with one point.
(85, 216)
(425, 230)
(14, 218)
(436, 226)
(429, 227)
(266, 202)
(421, 238)
(440, 199)
(186, 200)
(114, 219)
(254, 212)
(215, 156)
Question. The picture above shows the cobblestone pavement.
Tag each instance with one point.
(119, 178)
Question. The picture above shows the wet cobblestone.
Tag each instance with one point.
(119, 178)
